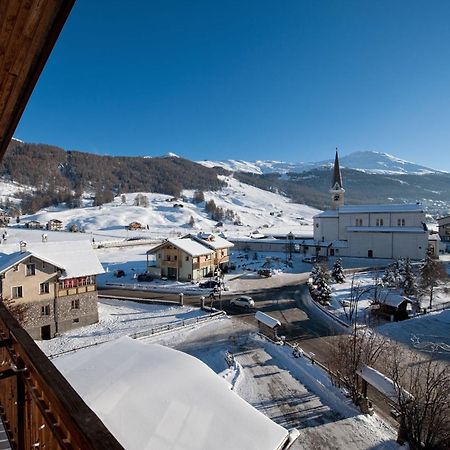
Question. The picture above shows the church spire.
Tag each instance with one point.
(337, 191)
(337, 178)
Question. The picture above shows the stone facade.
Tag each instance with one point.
(43, 306)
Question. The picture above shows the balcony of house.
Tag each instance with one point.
(202, 264)
(76, 286)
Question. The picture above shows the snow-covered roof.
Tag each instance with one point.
(75, 258)
(8, 261)
(387, 229)
(267, 320)
(156, 397)
(187, 245)
(434, 237)
(393, 299)
(389, 208)
(213, 241)
(329, 213)
(381, 382)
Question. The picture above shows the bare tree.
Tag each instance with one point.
(423, 391)
(351, 353)
(431, 273)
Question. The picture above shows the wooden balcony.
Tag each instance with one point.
(39, 408)
(63, 292)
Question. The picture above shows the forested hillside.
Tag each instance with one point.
(62, 176)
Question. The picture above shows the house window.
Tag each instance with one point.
(379, 222)
(17, 292)
(175, 257)
(75, 304)
(359, 222)
(16, 268)
(159, 255)
(77, 320)
(44, 288)
(168, 258)
(43, 265)
(45, 310)
(401, 222)
(187, 258)
(31, 269)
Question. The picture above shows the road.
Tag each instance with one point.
(299, 323)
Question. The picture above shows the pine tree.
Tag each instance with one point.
(431, 272)
(408, 281)
(338, 272)
(323, 292)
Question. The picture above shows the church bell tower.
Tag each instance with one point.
(337, 191)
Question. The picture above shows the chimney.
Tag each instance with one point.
(23, 246)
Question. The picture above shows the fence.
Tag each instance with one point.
(177, 324)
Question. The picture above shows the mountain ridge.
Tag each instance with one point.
(366, 161)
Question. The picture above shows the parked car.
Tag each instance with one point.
(310, 259)
(244, 301)
(209, 284)
(265, 272)
(119, 273)
(144, 277)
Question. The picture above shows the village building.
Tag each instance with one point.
(370, 231)
(51, 287)
(54, 225)
(218, 244)
(189, 258)
(4, 218)
(444, 231)
(33, 225)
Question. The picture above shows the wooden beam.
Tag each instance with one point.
(28, 32)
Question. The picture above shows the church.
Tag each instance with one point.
(369, 231)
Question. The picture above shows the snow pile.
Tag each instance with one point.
(150, 396)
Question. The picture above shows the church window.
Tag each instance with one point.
(401, 222)
(379, 222)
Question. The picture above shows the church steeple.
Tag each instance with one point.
(337, 190)
(337, 178)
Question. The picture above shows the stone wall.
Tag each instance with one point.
(69, 318)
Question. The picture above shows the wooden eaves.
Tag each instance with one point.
(28, 32)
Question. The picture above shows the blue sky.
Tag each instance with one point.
(287, 80)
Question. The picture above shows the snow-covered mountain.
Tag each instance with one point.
(368, 161)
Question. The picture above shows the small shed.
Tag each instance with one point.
(33, 225)
(393, 307)
(267, 325)
(54, 225)
(134, 226)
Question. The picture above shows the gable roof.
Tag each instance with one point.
(74, 258)
(210, 240)
(187, 245)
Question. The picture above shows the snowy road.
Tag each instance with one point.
(272, 383)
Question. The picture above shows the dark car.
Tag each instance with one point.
(265, 272)
(210, 284)
(144, 277)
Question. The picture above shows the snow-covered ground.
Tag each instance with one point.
(292, 392)
(429, 333)
(252, 205)
(118, 318)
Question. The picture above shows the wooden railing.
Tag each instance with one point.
(39, 408)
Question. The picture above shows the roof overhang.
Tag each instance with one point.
(28, 32)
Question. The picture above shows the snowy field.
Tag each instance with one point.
(252, 205)
(118, 318)
(429, 334)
